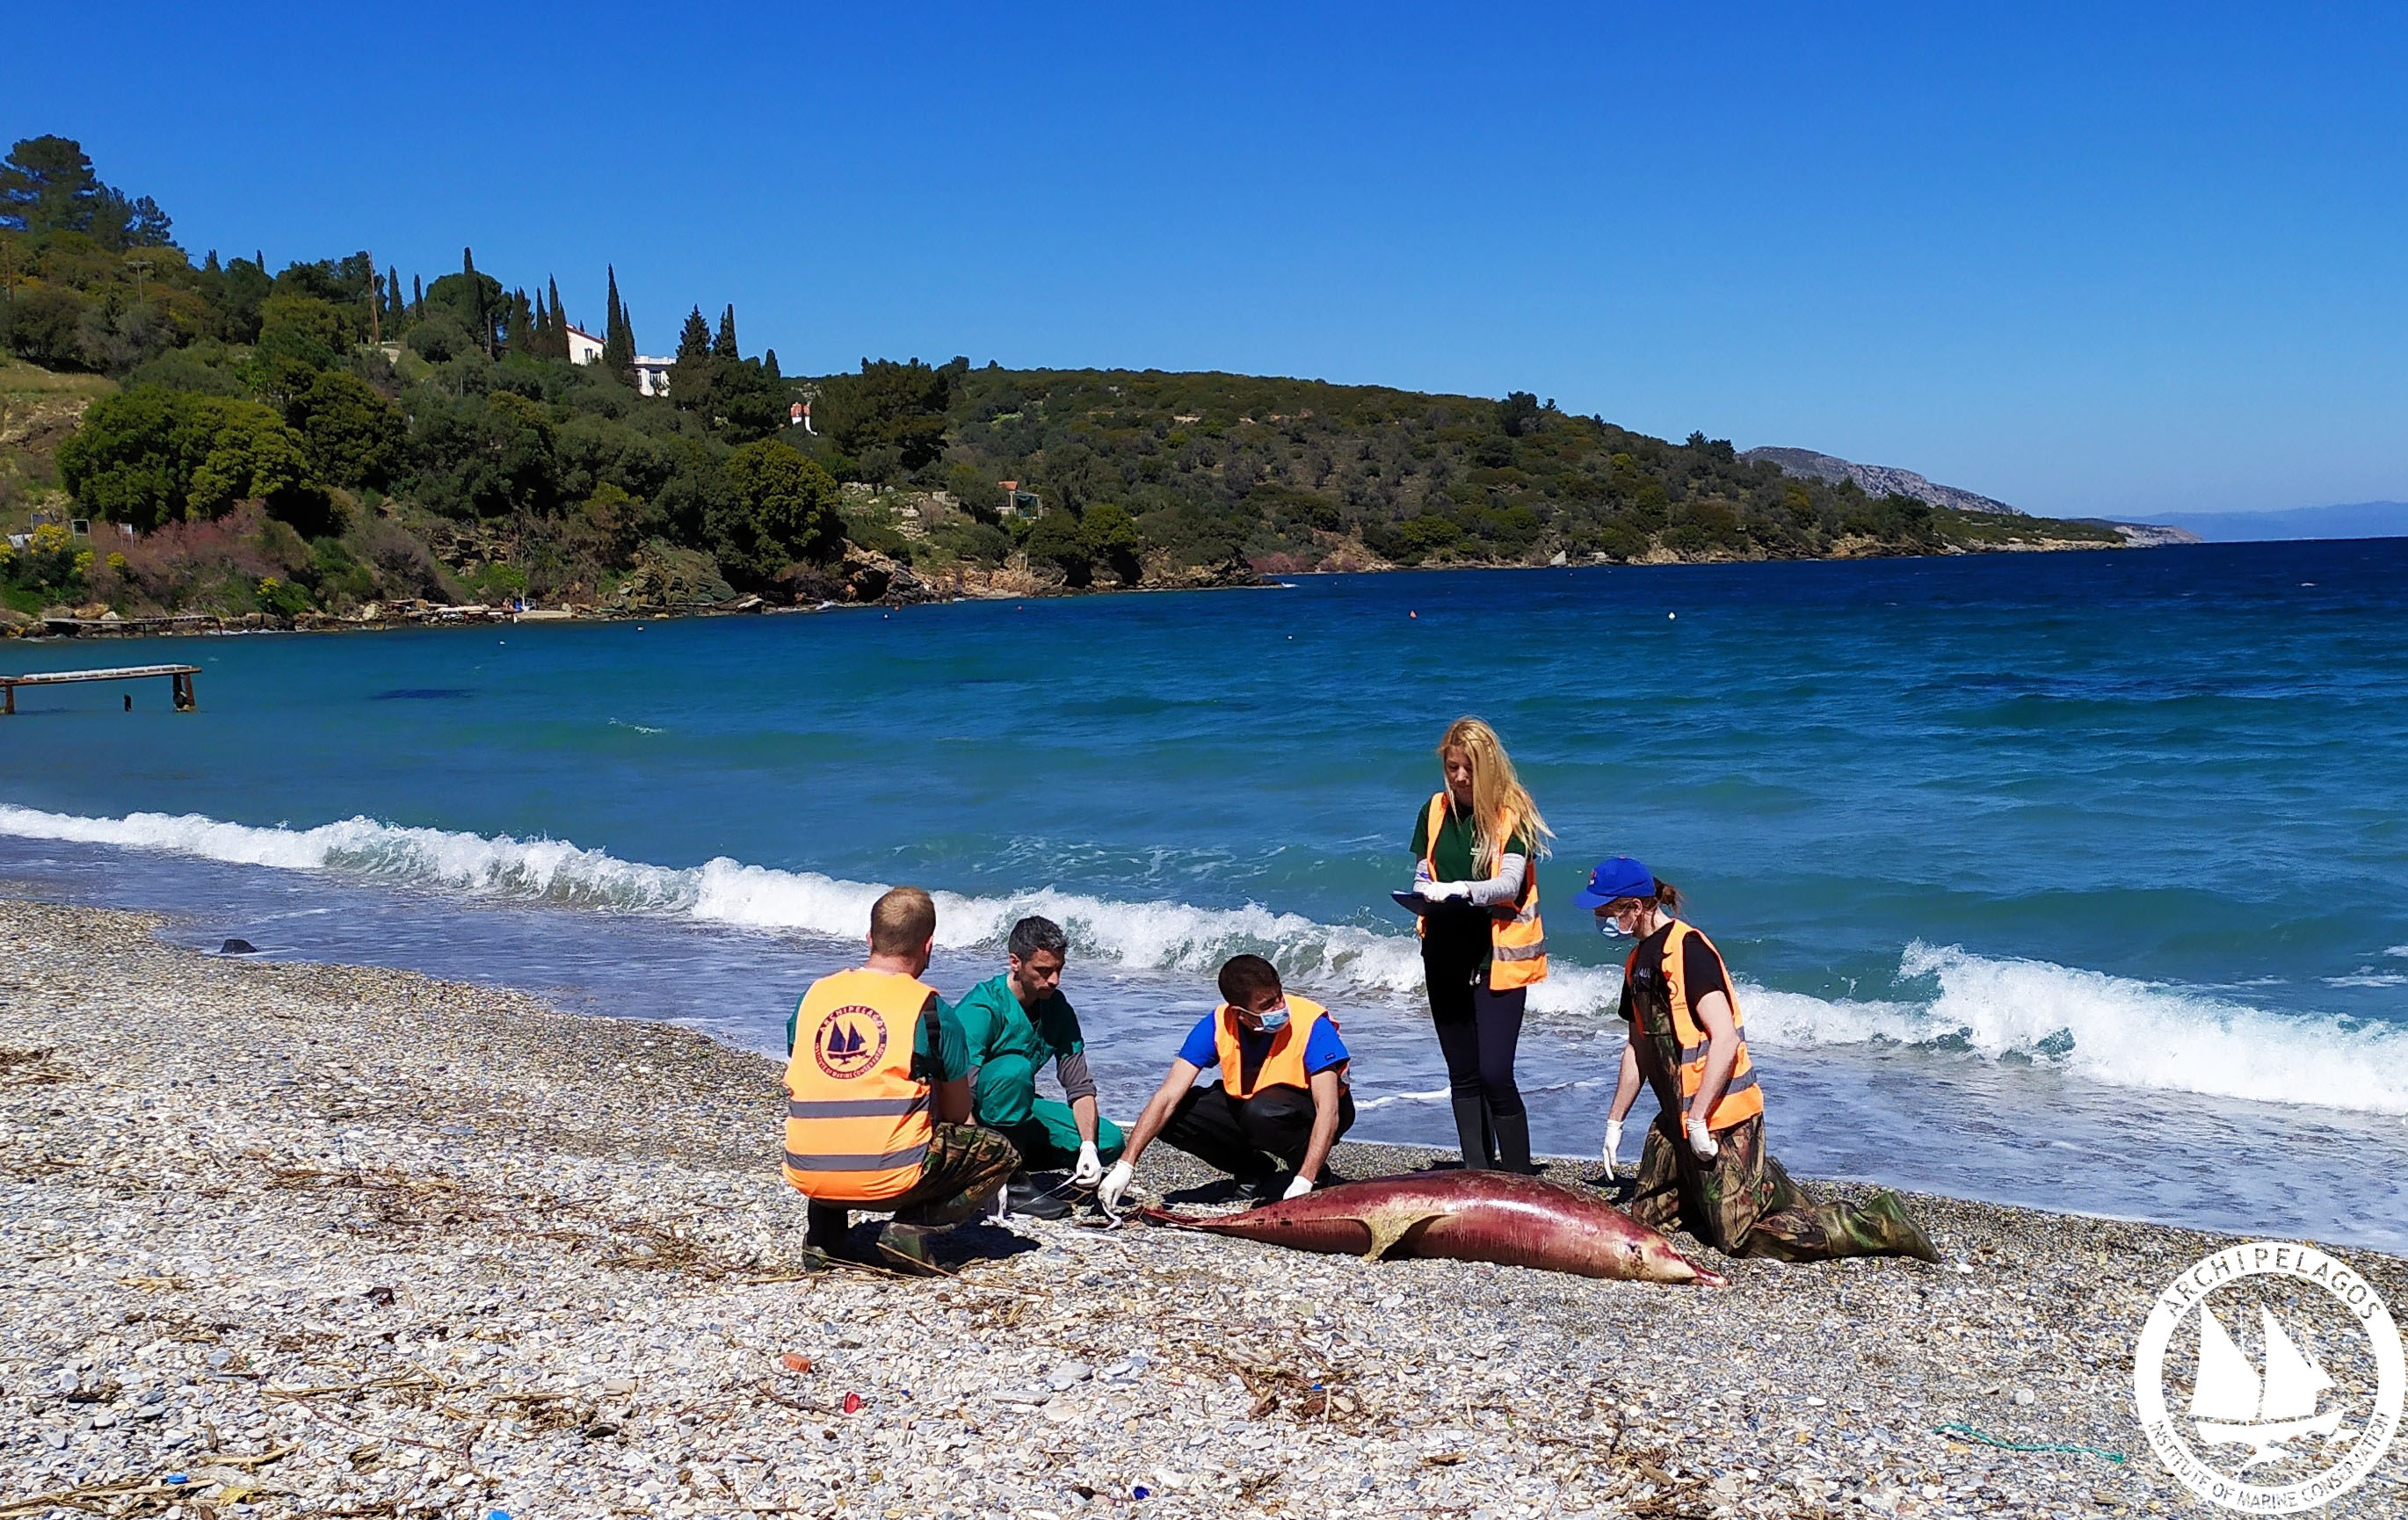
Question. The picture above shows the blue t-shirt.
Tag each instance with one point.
(1323, 1049)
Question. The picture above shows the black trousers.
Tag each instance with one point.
(1478, 1034)
(1236, 1135)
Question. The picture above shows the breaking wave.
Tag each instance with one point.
(2101, 1028)
(2106, 1029)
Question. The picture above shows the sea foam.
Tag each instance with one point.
(2101, 1028)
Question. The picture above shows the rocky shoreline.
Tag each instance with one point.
(301, 1240)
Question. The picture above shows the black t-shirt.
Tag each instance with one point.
(1701, 972)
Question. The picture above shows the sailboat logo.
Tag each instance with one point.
(2244, 1416)
(2232, 1403)
(849, 1041)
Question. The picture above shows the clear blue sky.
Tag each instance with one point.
(2089, 260)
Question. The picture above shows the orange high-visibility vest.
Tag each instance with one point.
(1282, 1066)
(858, 1122)
(1741, 1100)
(1517, 940)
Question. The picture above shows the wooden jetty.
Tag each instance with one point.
(179, 678)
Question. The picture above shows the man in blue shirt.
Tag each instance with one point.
(1281, 1100)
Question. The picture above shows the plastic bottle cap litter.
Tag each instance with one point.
(853, 1404)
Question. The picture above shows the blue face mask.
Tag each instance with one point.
(1274, 1019)
(1608, 928)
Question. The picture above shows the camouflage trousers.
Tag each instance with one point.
(1744, 1204)
(965, 1165)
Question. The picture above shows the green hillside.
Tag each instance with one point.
(333, 435)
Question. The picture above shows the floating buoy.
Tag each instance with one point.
(1670, 616)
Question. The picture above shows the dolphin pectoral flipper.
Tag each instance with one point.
(1388, 1228)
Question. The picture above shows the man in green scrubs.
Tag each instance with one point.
(1014, 1023)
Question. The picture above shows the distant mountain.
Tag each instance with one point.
(2357, 519)
(1877, 481)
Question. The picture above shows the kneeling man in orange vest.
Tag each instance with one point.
(1281, 1100)
(877, 1097)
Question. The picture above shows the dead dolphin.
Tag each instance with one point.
(1493, 1216)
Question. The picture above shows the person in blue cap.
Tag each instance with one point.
(1703, 1165)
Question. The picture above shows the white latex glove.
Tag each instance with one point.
(1441, 891)
(1298, 1188)
(1090, 1170)
(1116, 1186)
(1702, 1140)
(1613, 1145)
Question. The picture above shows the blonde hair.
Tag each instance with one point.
(1500, 805)
(902, 922)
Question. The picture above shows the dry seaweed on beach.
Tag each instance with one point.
(327, 1240)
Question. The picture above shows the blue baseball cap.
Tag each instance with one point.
(1621, 877)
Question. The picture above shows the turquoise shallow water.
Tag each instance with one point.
(2071, 878)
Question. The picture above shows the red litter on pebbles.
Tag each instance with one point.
(853, 1404)
(795, 1362)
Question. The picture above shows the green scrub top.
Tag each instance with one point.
(994, 1024)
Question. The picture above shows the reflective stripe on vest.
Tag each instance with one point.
(1741, 1100)
(1517, 938)
(858, 1122)
(1282, 1064)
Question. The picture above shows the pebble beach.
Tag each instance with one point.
(298, 1239)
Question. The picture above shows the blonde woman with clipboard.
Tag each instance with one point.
(1476, 847)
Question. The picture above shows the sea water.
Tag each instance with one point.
(2078, 879)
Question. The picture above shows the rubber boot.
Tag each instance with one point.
(824, 1234)
(904, 1248)
(1512, 1141)
(1893, 1230)
(1471, 1130)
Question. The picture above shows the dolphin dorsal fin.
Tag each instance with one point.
(1390, 1227)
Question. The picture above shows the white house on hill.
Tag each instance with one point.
(652, 371)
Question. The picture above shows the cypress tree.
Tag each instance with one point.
(417, 298)
(559, 345)
(395, 314)
(618, 335)
(519, 319)
(723, 345)
(485, 320)
(770, 364)
(693, 342)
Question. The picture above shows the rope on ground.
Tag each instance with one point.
(1954, 1428)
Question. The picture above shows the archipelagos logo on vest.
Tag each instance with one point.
(849, 1041)
(2289, 1373)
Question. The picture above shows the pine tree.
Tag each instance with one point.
(693, 342)
(723, 345)
(618, 336)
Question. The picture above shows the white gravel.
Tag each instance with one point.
(324, 1240)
